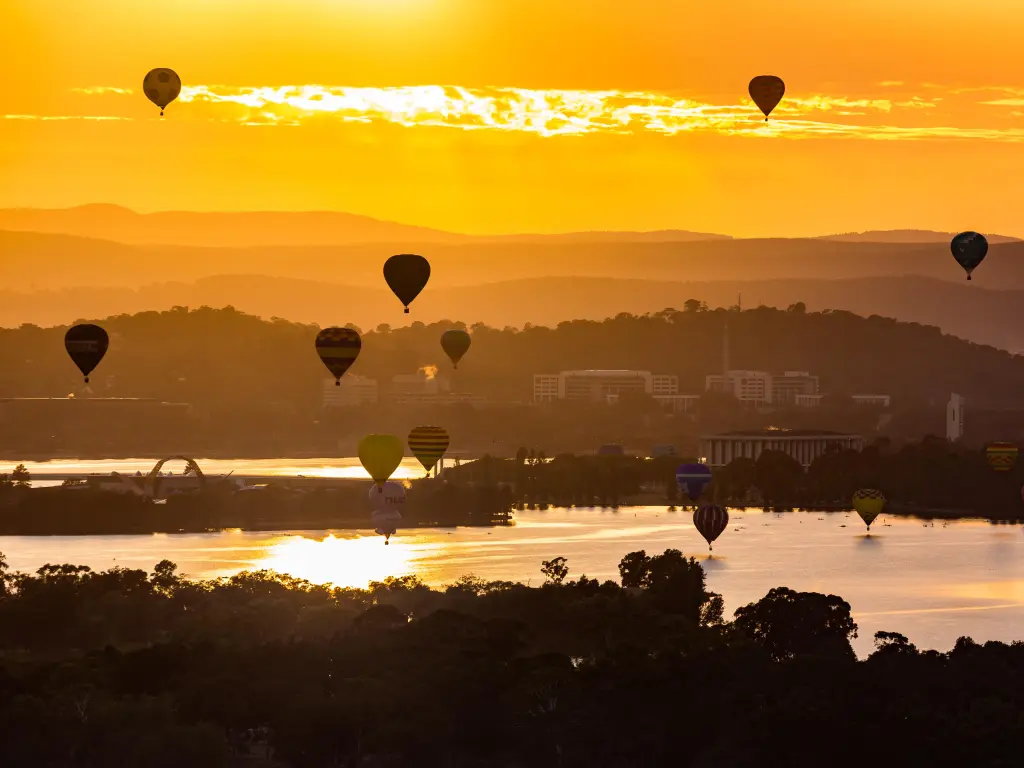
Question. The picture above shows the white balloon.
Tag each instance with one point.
(387, 498)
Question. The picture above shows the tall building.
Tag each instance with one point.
(747, 386)
(790, 384)
(954, 417)
(601, 386)
(352, 390)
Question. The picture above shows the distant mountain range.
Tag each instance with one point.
(326, 228)
(968, 311)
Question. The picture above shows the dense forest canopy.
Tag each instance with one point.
(221, 356)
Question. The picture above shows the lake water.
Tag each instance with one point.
(327, 467)
(931, 581)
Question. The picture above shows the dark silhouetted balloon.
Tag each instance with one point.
(338, 348)
(710, 520)
(406, 274)
(455, 344)
(692, 479)
(161, 86)
(969, 250)
(86, 345)
(428, 444)
(766, 91)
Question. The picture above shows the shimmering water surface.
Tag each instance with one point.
(931, 581)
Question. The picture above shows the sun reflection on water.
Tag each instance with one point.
(349, 560)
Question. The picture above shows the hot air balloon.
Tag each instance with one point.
(869, 504)
(428, 444)
(455, 344)
(338, 349)
(387, 502)
(969, 250)
(161, 86)
(406, 274)
(86, 345)
(692, 479)
(766, 91)
(380, 455)
(1001, 456)
(710, 520)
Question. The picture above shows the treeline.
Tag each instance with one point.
(82, 511)
(125, 668)
(930, 474)
(209, 356)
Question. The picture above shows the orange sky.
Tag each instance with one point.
(525, 115)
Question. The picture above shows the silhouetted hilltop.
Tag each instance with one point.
(962, 309)
(60, 260)
(263, 228)
(224, 356)
(907, 236)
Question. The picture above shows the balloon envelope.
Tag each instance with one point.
(387, 499)
(710, 520)
(692, 479)
(428, 444)
(1001, 456)
(161, 86)
(380, 455)
(869, 504)
(766, 91)
(455, 344)
(406, 274)
(338, 349)
(969, 249)
(86, 345)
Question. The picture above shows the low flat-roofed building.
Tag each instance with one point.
(352, 390)
(601, 386)
(803, 445)
(879, 400)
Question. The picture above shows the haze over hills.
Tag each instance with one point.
(56, 261)
(981, 315)
(315, 228)
(907, 236)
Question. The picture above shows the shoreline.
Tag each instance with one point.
(294, 526)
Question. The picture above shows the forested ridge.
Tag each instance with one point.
(125, 668)
(221, 356)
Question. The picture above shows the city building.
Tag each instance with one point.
(601, 386)
(353, 390)
(813, 401)
(753, 387)
(788, 386)
(424, 382)
(876, 400)
(954, 417)
(803, 445)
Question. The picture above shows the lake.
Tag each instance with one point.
(931, 581)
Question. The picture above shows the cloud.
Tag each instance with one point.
(550, 113)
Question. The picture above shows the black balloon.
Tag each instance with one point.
(969, 250)
(86, 345)
(406, 274)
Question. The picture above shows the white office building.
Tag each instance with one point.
(955, 417)
(353, 390)
(813, 401)
(601, 386)
(753, 387)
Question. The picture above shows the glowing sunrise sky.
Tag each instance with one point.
(491, 116)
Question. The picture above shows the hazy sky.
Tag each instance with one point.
(525, 115)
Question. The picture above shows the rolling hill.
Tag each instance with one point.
(961, 309)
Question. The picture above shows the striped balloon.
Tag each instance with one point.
(692, 479)
(338, 349)
(428, 444)
(1001, 456)
(869, 504)
(710, 520)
